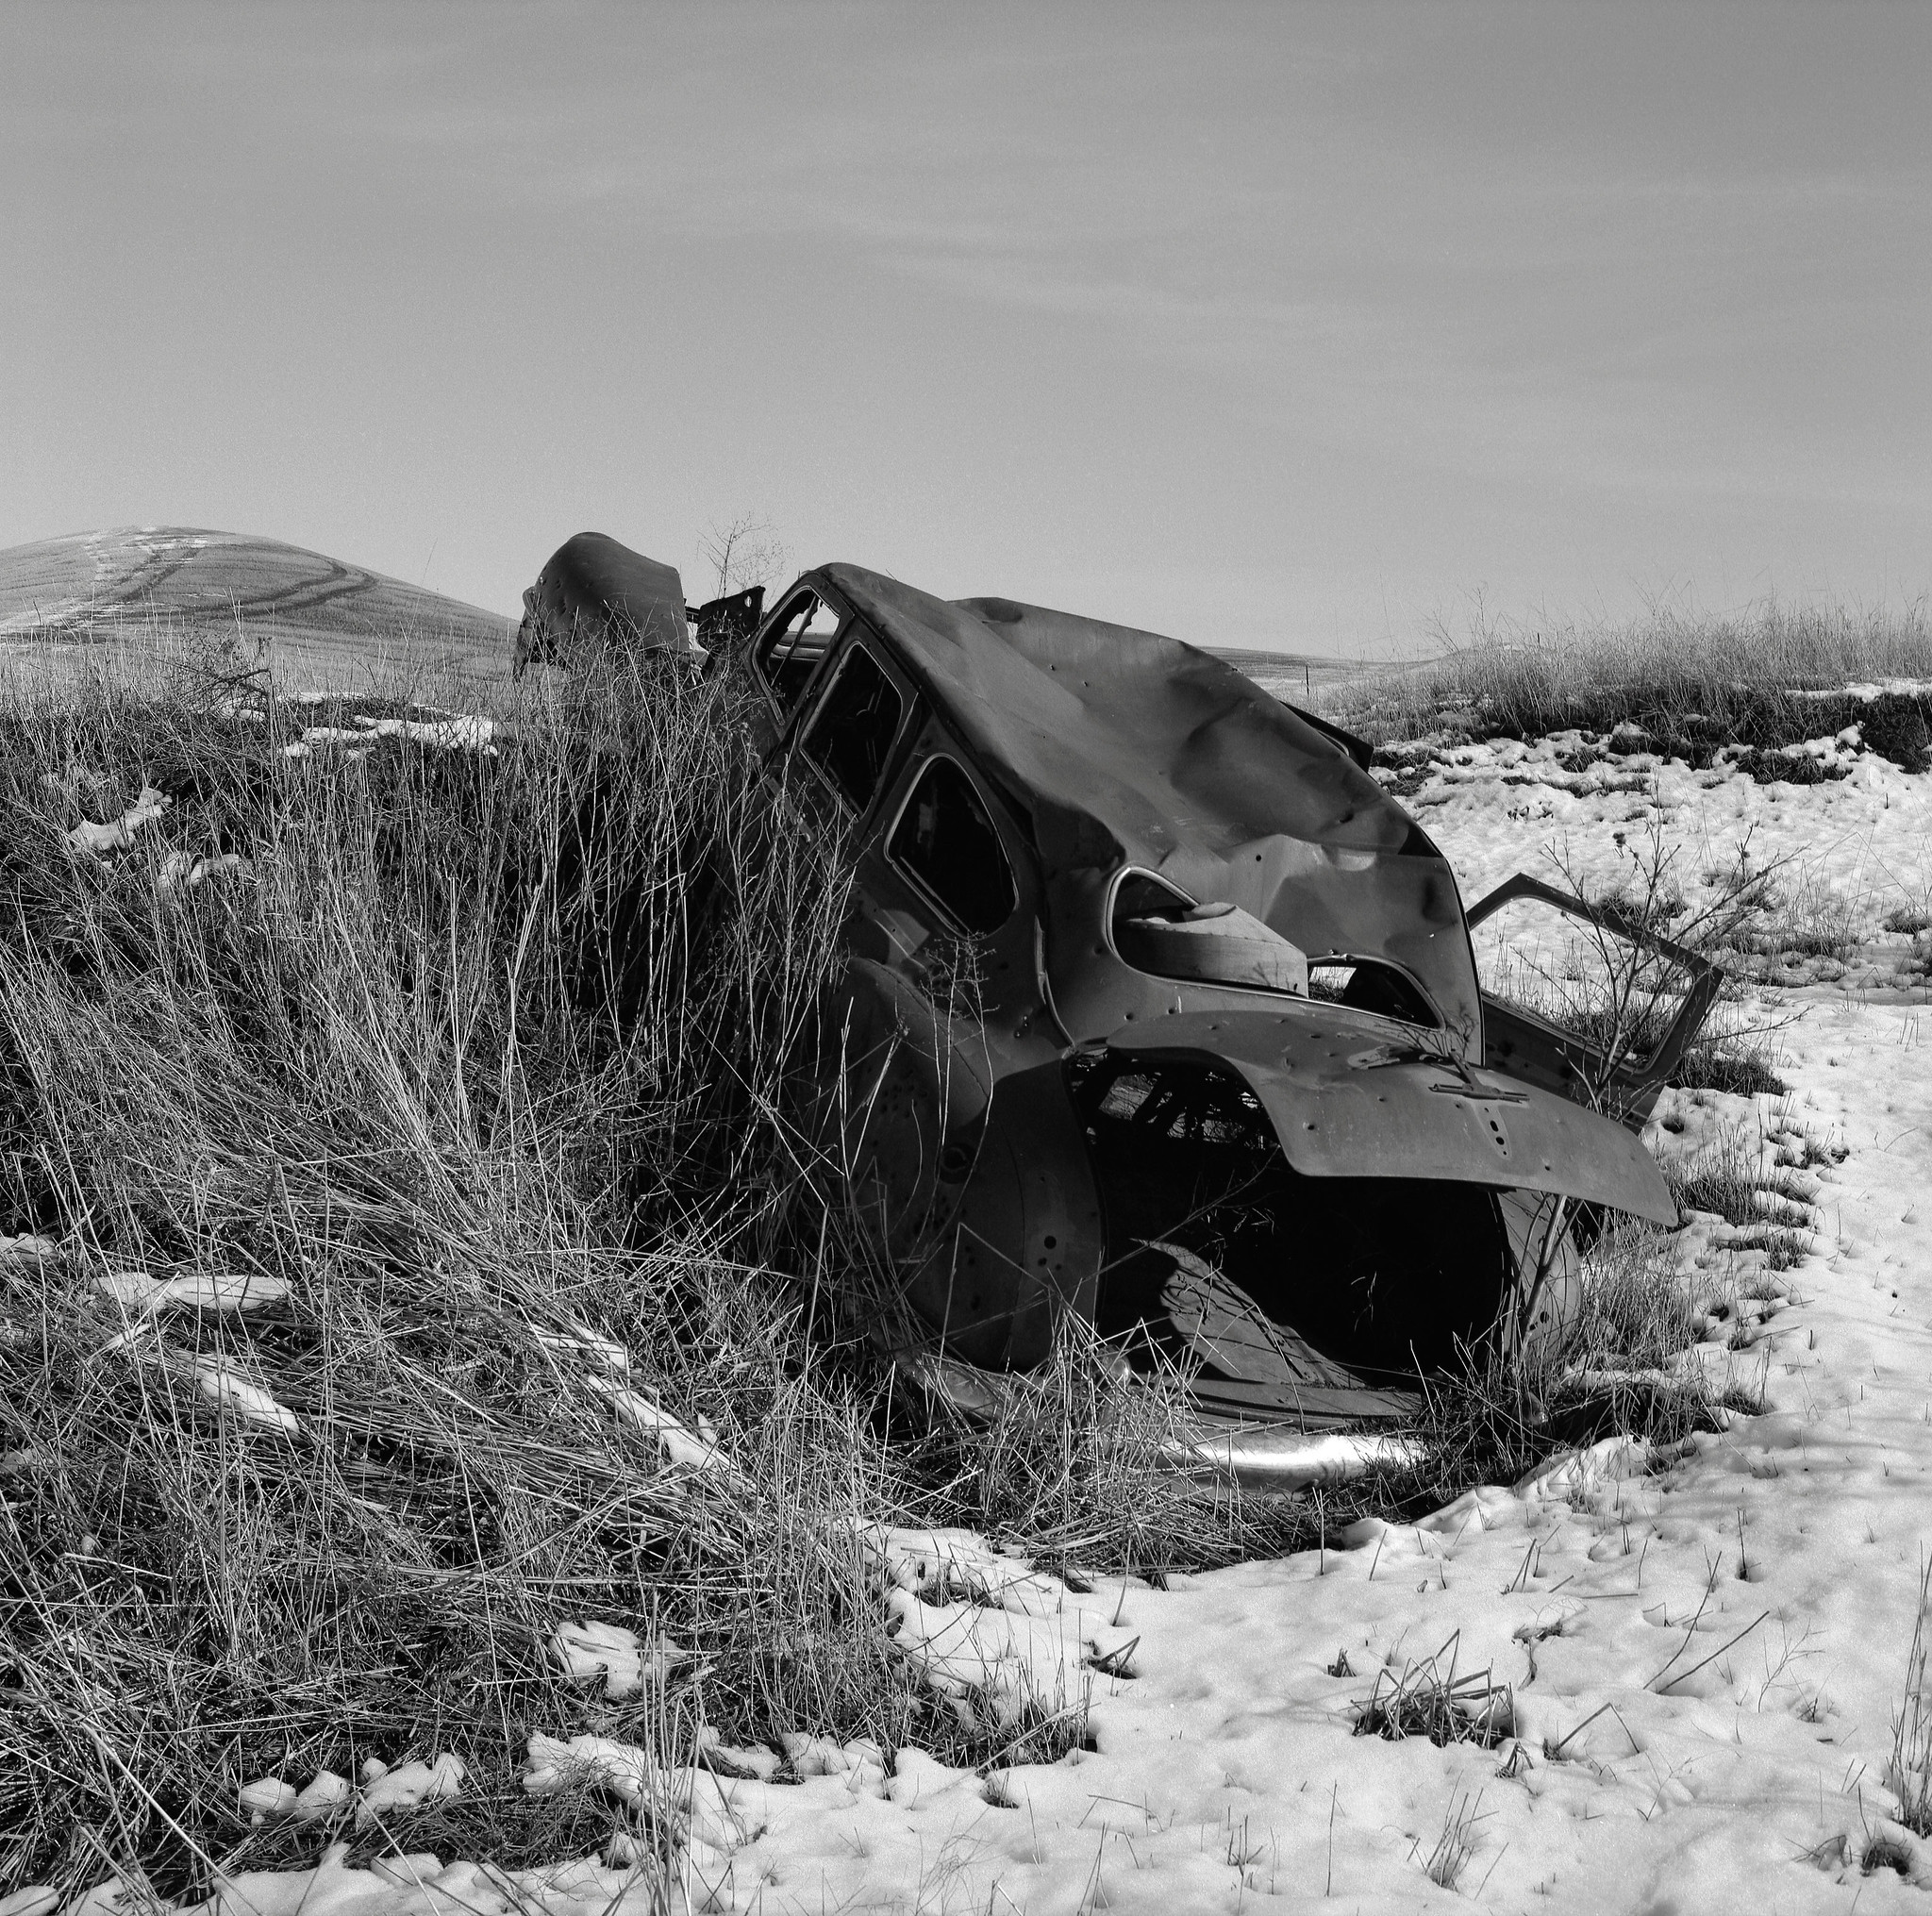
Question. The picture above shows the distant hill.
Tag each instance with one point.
(1299, 677)
(307, 614)
(314, 618)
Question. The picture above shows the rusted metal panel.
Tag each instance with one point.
(723, 624)
(1123, 747)
(1346, 1100)
(594, 593)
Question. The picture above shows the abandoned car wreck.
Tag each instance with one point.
(594, 593)
(1159, 1010)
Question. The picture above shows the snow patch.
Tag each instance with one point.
(194, 1290)
(409, 1787)
(181, 868)
(118, 834)
(679, 1444)
(223, 1387)
(617, 1657)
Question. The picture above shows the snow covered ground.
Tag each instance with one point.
(1844, 854)
(1689, 1662)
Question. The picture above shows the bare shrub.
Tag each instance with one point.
(1602, 979)
(745, 551)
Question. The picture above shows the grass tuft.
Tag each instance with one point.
(1431, 1699)
(1908, 1773)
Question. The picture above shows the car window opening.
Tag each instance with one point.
(1275, 1292)
(851, 732)
(799, 636)
(1369, 985)
(1140, 894)
(1161, 931)
(946, 840)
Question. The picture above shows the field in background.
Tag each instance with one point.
(71, 604)
(1303, 678)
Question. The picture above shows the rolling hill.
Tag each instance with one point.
(139, 587)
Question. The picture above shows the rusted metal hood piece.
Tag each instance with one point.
(594, 589)
(1345, 1102)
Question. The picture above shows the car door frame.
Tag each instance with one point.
(853, 633)
(1554, 1057)
(784, 722)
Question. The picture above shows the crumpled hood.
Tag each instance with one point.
(1348, 1100)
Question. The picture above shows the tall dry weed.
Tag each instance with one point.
(1693, 679)
(488, 1060)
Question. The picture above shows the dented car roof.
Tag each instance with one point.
(1128, 748)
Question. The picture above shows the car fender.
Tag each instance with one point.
(968, 1153)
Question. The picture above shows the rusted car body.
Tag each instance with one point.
(1160, 1011)
(593, 594)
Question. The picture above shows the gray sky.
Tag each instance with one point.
(1257, 324)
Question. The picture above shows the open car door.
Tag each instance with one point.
(1615, 1071)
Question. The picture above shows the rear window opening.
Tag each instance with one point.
(1369, 985)
(1315, 1297)
(800, 636)
(1140, 894)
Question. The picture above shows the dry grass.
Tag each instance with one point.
(1692, 683)
(1455, 1844)
(496, 1063)
(1909, 1773)
(1637, 1312)
(1433, 1699)
(485, 1050)
(493, 1063)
